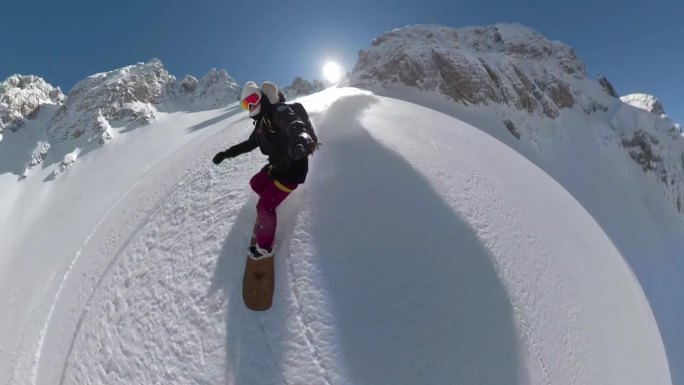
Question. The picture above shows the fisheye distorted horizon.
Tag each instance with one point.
(634, 44)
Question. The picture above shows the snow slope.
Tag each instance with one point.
(421, 250)
(525, 85)
(622, 159)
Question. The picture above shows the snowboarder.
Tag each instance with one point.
(282, 135)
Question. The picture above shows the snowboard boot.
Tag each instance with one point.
(256, 252)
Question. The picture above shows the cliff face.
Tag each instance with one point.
(507, 64)
(538, 90)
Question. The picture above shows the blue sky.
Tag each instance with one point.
(636, 44)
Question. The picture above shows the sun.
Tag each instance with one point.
(332, 72)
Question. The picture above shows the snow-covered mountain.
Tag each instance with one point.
(96, 109)
(522, 76)
(124, 95)
(646, 102)
(511, 65)
(103, 104)
(301, 87)
(132, 95)
(21, 98)
(534, 95)
(215, 89)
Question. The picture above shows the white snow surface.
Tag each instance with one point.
(421, 250)
(622, 159)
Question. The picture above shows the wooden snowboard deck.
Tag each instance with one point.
(258, 283)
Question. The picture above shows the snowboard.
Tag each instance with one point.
(258, 281)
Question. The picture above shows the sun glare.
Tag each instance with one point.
(332, 72)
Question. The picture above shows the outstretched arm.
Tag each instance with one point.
(248, 145)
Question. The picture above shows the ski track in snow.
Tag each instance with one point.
(532, 279)
(301, 314)
(114, 260)
(539, 273)
(102, 351)
(65, 279)
(129, 266)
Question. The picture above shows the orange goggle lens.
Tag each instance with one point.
(250, 101)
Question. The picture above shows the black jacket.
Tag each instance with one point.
(277, 129)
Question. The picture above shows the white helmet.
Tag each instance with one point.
(271, 91)
(251, 98)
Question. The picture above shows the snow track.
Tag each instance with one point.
(113, 263)
(168, 305)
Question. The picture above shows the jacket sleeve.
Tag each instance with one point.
(248, 145)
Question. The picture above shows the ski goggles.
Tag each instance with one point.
(250, 101)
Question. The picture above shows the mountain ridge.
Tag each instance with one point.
(510, 68)
(531, 83)
(102, 104)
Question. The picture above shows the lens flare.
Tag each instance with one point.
(332, 72)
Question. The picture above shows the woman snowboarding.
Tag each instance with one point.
(281, 134)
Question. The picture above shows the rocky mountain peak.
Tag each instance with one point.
(513, 73)
(504, 63)
(606, 86)
(645, 102)
(21, 97)
(122, 95)
(215, 89)
(301, 87)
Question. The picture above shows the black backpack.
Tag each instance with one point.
(300, 111)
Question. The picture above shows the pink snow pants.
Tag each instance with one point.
(271, 194)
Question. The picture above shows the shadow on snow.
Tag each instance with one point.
(413, 293)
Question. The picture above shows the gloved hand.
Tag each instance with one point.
(220, 157)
